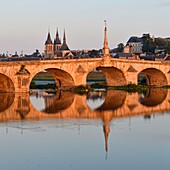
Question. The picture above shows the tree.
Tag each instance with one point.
(120, 47)
(167, 50)
(160, 42)
(148, 44)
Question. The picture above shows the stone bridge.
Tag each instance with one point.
(17, 76)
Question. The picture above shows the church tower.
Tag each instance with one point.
(57, 43)
(49, 47)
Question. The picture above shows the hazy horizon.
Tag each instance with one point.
(25, 24)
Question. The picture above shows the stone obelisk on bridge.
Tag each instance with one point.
(106, 50)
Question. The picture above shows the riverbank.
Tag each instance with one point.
(128, 88)
(95, 81)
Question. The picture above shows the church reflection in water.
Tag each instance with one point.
(66, 105)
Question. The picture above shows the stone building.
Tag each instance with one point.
(134, 45)
(57, 49)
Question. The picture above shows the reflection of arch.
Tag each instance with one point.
(62, 78)
(154, 97)
(61, 101)
(114, 100)
(114, 76)
(6, 99)
(6, 84)
(154, 77)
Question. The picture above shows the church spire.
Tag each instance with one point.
(57, 35)
(48, 41)
(57, 39)
(105, 48)
(64, 37)
(64, 45)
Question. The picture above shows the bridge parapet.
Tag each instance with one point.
(74, 72)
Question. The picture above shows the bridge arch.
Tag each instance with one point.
(154, 77)
(113, 75)
(6, 84)
(62, 78)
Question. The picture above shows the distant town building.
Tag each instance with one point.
(127, 49)
(134, 45)
(15, 55)
(167, 39)
(159, 50)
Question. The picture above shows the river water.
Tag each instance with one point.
(103, 130)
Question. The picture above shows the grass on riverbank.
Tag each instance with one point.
(85, 89)
(166, 87)
(131, 88)
(128, 88)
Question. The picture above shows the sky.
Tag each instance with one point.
(25, 23)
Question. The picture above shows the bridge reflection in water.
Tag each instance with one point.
(66, 105)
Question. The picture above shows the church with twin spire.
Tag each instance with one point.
(56, 49)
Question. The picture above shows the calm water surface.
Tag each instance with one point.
(100, 131)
